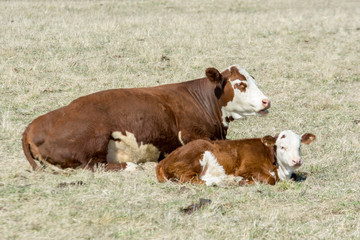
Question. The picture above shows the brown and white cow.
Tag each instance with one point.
(267, 160)
(142, 124)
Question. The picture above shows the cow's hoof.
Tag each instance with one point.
(132, 167)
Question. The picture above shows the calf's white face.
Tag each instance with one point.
(248, 99)
(288, 150)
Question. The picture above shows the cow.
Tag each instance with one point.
(117, 126)
(246, 161)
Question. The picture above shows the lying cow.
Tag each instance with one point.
(142, 124)
(267, 160)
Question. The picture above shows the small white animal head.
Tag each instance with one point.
(247, 100)
(288, 150)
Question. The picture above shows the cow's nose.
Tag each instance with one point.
(297, 162)
(266, 103)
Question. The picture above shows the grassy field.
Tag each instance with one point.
(305, 55)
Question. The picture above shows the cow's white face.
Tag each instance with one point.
(288, 151)
(248, 100)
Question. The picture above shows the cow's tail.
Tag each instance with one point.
(160, 173)
(26, 148)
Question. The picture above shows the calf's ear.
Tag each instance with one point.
(268, 140)
(307, 138)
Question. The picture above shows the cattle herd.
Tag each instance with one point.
(182, 126)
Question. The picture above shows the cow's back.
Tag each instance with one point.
(240, 157)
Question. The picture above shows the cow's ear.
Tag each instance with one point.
(214, 75)
(268, 140)
(307, 138)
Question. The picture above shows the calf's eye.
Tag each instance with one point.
(283, 148)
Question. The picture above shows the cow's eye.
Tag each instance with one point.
(240, 86)
(283, 148)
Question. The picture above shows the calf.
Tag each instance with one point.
(142, 124)
(267, 160)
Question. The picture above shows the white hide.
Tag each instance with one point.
(244, 103)
(131, 167)
(126, 149)
(213, 173)
(180, 140)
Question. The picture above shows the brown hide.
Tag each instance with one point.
(248, 158)
(77, 135)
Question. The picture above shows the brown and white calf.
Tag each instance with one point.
(267, 160)
(142, 124)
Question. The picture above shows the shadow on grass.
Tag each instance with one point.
(299, 176)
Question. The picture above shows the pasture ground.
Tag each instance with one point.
(305, 55)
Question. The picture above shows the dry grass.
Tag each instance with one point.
(304, 55)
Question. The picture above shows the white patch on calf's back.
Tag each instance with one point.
(126, 149)
(213, 173)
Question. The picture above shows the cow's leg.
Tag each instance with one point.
(245, 182)
(160, 174)
(259, 177)
(248, 177)
(267, 178)
(264, 177)
(85, 163)
(191, 177)
(196, 180)
(125, 166)
(180, 177)
(115, 166)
